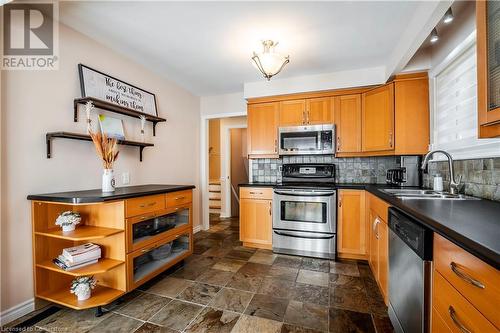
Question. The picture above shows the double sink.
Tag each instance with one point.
(425, 194)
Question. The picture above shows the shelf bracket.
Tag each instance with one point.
(140, 153)
(154, 128)
(75, 111)
(48, 142)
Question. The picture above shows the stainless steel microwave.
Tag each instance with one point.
(307, 140)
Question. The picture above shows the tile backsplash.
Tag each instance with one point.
(347, 170)
(480, 177)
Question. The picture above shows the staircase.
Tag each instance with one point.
(214, 197)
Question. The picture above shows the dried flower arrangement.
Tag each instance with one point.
(68, 220)
(106, 149)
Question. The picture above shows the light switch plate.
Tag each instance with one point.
(126, 178)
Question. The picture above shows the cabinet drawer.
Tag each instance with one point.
(144, 264)
(438, 324)
(458, 314)
(179, 198)
(256, 193)
(147, 229)
(379, 207)
(144, 205)
(474, 279)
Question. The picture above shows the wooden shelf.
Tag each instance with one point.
(84, 137)
(82, 233)
(100, 296)
(116, 109)
(102, 266)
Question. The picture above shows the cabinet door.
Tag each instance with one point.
(373, 252)
(256, 221)
(348, 123)
(488, 68)
(383, 258)
(351, 230)
(263, 128)
(378, 119)
(293, 113)
(319, 111)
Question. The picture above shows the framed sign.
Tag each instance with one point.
(110, 89)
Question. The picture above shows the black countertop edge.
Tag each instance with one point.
(96, 195)
(475, 247)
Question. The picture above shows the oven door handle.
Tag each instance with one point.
(306, 193)
(300, 236)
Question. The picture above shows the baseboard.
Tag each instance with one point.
(17, 311)
(197, 228)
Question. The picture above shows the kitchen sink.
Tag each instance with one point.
(426, 194)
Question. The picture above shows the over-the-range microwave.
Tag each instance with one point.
(307, 140)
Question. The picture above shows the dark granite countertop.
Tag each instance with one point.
(474, 225)
(90, 196)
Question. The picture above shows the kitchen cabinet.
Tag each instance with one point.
(311, 111)
(467, 285)
(378, 257)
(377, 119)
(348, 123)
(488, 68)
(351, 227)
(262, 130)
(256, 219)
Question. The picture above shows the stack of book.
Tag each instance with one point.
(78, 256)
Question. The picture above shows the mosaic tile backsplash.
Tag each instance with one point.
(480, 177)
(370, 170)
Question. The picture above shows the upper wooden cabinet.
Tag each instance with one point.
(412, 128)
(352, 238)
(293, 113)
(263, 129)
(377, 119)
(348, 123)
(311, 111)
(488, 68)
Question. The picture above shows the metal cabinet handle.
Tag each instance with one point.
(270, 208)
(148, 205)
(390, 139)
(180, 198)
(375, 230)
(456, 321)
(275, 145)
(454, 267)
(304, 117)
(338, 143)
(251, 192)
(307, 113)
(340, 202)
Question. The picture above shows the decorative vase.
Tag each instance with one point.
(108, 180)
(83, 294)
(68, 227)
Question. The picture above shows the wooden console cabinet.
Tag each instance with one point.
(128, 229)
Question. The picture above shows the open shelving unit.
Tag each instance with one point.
(100, 296)
(116, 109)
(83, 137)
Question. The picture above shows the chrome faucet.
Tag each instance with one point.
(454, 185)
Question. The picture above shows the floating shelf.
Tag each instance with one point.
(83, 137)
(102, 266)
(83, 233)
(100, 296)
(116, 109)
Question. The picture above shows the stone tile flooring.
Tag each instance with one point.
(225, 287)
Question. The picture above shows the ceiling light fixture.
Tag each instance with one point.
(269, 63)
(434, 36)
(448, 17)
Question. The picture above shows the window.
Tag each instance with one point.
(454, 115)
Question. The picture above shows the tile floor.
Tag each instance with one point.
(225, 287)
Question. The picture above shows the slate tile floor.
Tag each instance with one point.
(225, 287)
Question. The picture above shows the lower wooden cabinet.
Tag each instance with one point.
(352, 239)
(256, 219)
(378, 256)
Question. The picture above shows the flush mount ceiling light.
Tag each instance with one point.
(448, 17)
(434, 36)
(268, 62)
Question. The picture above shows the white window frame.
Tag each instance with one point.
(487, 148)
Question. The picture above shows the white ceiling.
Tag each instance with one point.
(206, 46)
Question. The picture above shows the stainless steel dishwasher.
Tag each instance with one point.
(410, 257)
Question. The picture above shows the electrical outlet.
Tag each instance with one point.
(126, 178)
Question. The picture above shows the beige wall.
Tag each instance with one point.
(36, 102)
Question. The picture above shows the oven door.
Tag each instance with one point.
(304, 210)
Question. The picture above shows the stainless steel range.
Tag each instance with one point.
(304, 211)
